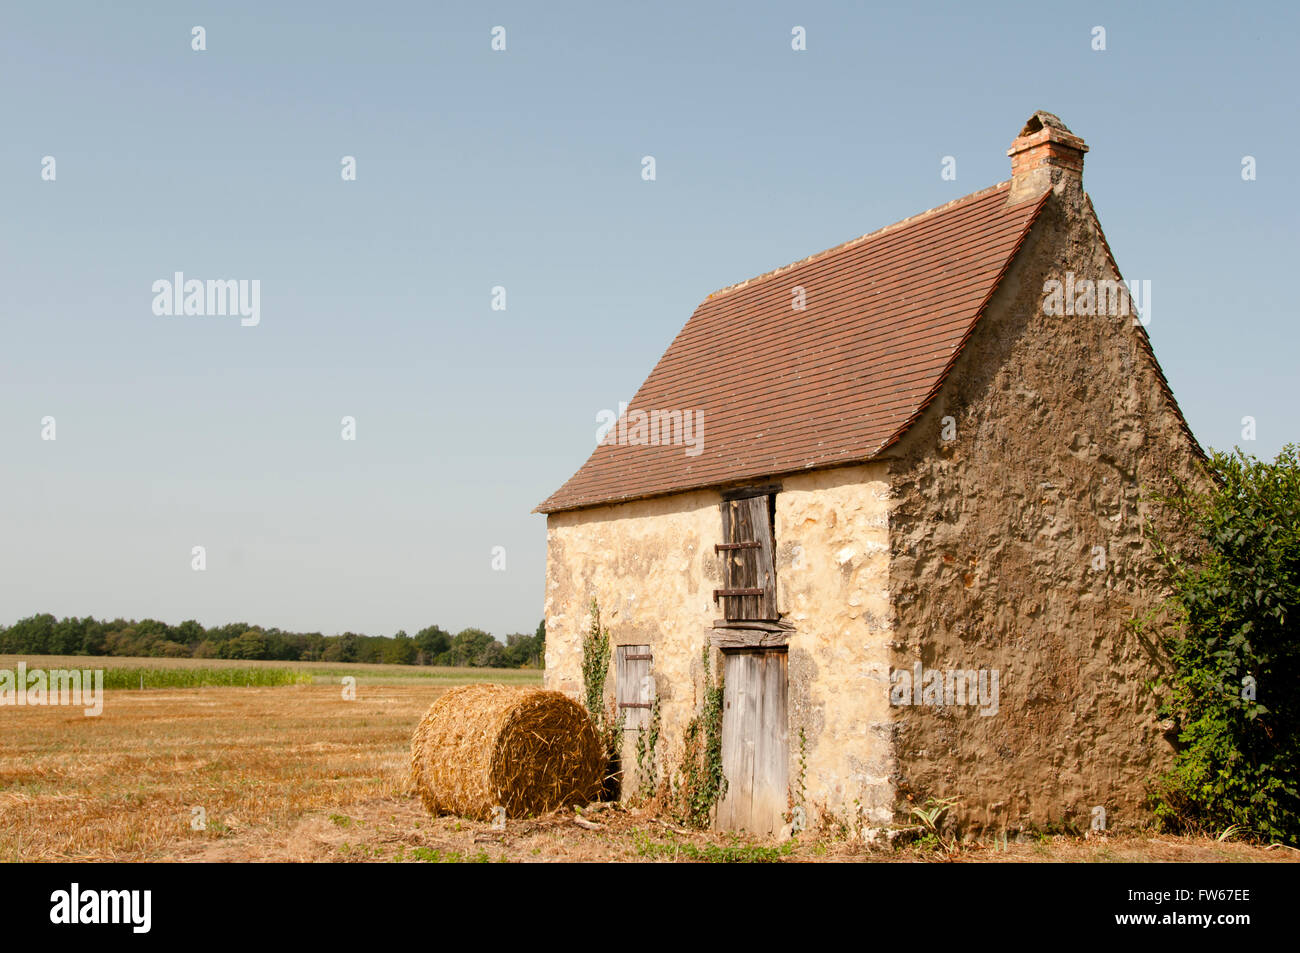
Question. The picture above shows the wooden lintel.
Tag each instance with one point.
(745, 492)
(748, 639)
(755, 634)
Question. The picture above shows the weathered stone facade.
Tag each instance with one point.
(1019, 546)
(652, 567)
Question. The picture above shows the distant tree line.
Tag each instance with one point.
(46, 635)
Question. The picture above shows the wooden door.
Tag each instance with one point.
(755, 741)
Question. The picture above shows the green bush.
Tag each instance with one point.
(1234, 690)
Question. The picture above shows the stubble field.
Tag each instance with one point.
(300, 773)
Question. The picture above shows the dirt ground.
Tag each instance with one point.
(397, 829)
(299, 773)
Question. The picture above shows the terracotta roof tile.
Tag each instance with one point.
(780, 390)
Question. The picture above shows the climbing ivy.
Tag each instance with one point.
(608, 721)
(700, 780)
(647, 740)
(595, 664)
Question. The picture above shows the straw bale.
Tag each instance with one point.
(527, 750)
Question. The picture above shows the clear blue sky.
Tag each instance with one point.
(523, 169)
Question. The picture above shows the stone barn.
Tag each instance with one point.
(895, 494)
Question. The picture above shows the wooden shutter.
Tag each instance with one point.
(635, 690)
(748, 561)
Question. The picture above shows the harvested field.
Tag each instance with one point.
(124, 786)
(298, 773)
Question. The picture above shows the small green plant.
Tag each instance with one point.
(735, 852)
(1230, 832)
(342, 820)
(931, 815)
(362, 851)
(431, 855)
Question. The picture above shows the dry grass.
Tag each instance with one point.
(122, 786)
(297, 773)
(398, 830)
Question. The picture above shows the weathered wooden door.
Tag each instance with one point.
(755, 741)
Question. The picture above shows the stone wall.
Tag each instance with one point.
(1062, 435)
(832, 537)
(652, 567)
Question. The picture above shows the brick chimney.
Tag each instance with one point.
(1046, 155)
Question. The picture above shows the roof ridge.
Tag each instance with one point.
(910, 220)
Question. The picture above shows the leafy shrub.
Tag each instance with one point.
(1234, 691)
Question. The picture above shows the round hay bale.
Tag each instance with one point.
(528, 750)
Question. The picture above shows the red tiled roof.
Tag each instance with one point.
(781, 390)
